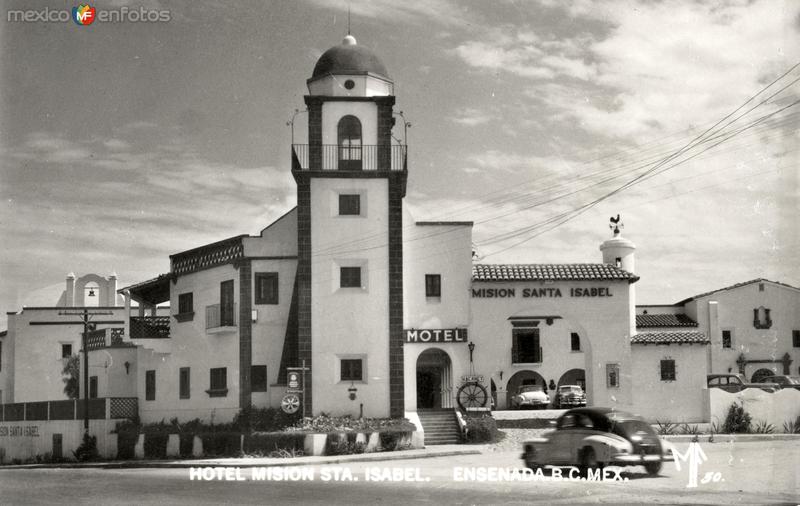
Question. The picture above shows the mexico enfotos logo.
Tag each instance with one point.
(85, 15)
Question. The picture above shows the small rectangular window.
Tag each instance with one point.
(184, 382)
(612, 375)
(258, 378)
(575, 341)
(218, 383)
(349, 205)
(433, 285)
(350, 277)
(93, 387)
(796, 338)
(185, 303)
(726, 339)
(66, 350)
(150, 385)
(668, 370)
(266, 288)
(226, 305)
(351, 369)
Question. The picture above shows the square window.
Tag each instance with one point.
(150, 385)
(433, 285)
(184, 382)
(218, 383)
(668, 370)
(727, 340)
(351, 369)
(349, 205)
(350, 277)
(612, 375)
(66, 350)
(258, 378)
(575, 341)
(93, 387)
(266, 288)
(796, 338)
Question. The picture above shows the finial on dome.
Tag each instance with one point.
(349, 40)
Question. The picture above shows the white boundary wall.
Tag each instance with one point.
(775, 408)
(25, 440)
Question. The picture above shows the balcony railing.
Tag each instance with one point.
(72, 409)
(220, 318)
(149, 327)
(105, 338)
(349, 158)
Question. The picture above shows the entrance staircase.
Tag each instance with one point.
(440, 426)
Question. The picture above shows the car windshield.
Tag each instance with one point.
(627, 428)
(794, 380)
(530, 388)
(566, 390)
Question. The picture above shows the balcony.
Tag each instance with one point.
(527, 355)
(149, 327)
(221, 318)
(105, 338)
(367, 158)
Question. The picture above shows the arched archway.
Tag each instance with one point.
(522, 378)
(573, 377)
(434, 380)
(348, 133)
(760, 374)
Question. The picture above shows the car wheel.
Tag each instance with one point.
(589, 460)
(653, 468)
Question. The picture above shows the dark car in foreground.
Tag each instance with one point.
(592, 438)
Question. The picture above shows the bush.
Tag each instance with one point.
(87, 451)
(344, 444)
(666, 428)
(155, 445)
(264, 419)
(221, 443)
(481, 429)
(267, 443)
(737, 421)
(762, 427)
(186, 444)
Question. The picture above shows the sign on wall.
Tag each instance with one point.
(436, 335)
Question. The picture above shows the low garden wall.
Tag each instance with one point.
(775, 408)
(52, 440)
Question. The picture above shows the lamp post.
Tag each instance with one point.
(471, 347)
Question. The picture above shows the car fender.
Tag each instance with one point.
(605, 446)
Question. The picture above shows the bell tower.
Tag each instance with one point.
(351, 180)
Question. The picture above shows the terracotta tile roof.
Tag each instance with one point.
(554, 272)
(664, 320)
(672, 337)
(737, 285)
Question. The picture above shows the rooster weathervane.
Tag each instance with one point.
(616, 224)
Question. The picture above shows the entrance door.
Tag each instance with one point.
(429, 388)
(434, 382)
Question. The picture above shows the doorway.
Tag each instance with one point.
(434, 384)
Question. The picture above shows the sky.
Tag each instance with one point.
(123, 143)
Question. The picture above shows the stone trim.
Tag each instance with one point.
(245, 332)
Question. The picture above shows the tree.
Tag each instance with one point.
(72, 375)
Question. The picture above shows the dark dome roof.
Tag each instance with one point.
(348, 58)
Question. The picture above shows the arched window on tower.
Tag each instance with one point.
(349, 142)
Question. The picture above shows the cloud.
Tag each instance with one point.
(469, 116)
(444, 12)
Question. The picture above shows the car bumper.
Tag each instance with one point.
(572, 403)
(631, 459)
(532, 403)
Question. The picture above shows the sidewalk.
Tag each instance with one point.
(424, 453)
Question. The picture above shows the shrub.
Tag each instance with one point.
(155, 445)
(87, 451)
(344, 444)
(221, 443)
(762, 427)
(690, 429)
(186, 444)
(266, 443)
(737, 421)
(481, 429)
(264, 419)
(792, 426)
(391, 440)
(666, 428)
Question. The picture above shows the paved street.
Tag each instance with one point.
(748, 473)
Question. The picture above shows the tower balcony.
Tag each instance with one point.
(349, 158)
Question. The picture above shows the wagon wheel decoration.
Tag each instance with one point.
(290, 403)
(472, 395)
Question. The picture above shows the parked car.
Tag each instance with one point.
(592, 438)
(530, 396)
(570, 396)
(783, 381)
(733, 383)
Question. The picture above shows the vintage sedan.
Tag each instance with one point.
(783, 381)
(530, 396)
(570, 396)
(733, 383)
(592, 438)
